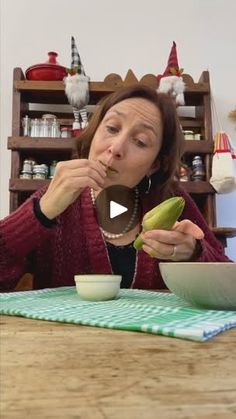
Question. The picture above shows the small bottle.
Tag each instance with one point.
(65, 132)
(27, 166)
(26, 126)
(44, 128)
(198, 170)
(35, 127)
(55, 129)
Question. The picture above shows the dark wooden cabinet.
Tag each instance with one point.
(28, 93)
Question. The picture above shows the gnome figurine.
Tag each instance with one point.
(171, 81)
(76, 84)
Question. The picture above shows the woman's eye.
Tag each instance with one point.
(140, 143)
(112, 129)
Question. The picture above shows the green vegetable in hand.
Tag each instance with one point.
(163, 217)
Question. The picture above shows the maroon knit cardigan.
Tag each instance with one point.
(75, 245)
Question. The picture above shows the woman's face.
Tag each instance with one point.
(128, 141)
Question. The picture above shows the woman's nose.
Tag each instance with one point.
(117, 148)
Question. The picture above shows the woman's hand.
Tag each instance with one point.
(70, 179)
(178, 244)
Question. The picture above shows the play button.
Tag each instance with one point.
(117, 209)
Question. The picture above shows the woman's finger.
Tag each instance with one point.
(188, 227)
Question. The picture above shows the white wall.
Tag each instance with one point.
(113, 36)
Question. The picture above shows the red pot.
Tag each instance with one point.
(50, 70)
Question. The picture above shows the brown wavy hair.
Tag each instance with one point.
(171, 150)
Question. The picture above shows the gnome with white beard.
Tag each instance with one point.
(171, 81)
(77, 87)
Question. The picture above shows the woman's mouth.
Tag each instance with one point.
(110, 170)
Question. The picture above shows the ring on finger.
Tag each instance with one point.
(174, 252)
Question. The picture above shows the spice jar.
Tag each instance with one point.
(198, 170)
(188, 135)
(65, 132)
(27, 166)
(39, 171)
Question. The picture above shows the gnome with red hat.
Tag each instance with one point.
(171, 81)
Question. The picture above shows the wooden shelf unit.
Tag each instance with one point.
(48, 93)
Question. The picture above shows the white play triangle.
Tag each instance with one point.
(116, 209)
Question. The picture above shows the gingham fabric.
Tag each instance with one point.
(75, 57)
(133, 310)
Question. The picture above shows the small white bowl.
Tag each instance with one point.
(210, 285)
(97, 287)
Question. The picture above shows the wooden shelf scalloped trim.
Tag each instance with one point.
(114, 81)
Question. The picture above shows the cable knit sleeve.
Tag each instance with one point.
(212, 250)
(20, 233)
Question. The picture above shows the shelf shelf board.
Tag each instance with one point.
(44, 144)
(53, 92)
(69, 144)
(190, 122)
(198, 147)
(199, 187)
(228, 232)
(27, 185)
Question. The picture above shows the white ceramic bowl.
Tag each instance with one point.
(97, 287)
(209, 285)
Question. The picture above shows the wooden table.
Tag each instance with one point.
(69, 371)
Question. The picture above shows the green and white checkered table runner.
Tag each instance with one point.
(134, 310)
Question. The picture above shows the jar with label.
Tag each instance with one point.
(27, 166)
(46, 170)
(198, 170)
(65, 132)
(188, 135)
(39, 172)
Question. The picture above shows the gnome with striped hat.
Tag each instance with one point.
(76, 84)
(171, 81)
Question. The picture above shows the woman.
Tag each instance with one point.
(134, 140)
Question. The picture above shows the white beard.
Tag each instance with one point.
(77, 90)
(173, 85)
